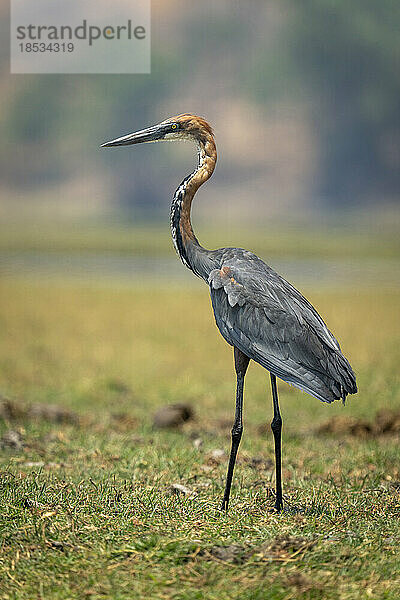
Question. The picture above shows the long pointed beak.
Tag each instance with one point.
(151, 134)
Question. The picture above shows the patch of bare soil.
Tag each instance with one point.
(11, 410)
(123, 422)
(302, 583)
(385, 422)
(12, 440)
(282, 549)
(234, 553)
(172, 415)
(285, 547)
(52, 413)
(14, 411)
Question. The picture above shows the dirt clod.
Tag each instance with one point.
(234, 553)
(302, 583)
(197, 443)
(123, 422)
(172, 415)
(217, 453)
(12, 440)
(178, 488)
(11, 410)
(52, 413)
(216, 457)
(385, 422)
(56, 545)
(281, 548)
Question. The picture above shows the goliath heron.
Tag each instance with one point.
(258, 312)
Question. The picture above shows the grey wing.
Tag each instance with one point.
(272, 323)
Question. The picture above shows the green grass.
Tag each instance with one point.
(322, 241)
(87, 507)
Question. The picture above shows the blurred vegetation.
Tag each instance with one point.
(339, 60)
(349, 53)
(282, 241)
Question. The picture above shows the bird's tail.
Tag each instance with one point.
(343, 375)
(338, 381)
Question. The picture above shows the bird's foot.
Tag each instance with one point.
(224, 505)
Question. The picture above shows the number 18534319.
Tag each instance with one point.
(46, 47)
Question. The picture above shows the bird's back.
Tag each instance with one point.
(271, 322)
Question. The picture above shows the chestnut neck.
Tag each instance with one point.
(190, 251)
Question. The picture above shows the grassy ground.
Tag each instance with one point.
(309, 241)
(87, 505)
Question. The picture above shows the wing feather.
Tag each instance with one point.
(260, 313)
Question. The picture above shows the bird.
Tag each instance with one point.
(260, 314)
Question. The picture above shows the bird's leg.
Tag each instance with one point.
(276, 426)
(241, 364)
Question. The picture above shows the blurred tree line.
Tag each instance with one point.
(349, 54)
(339, 57)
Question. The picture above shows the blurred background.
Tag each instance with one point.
(304, 98)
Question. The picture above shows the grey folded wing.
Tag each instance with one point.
(266, 318)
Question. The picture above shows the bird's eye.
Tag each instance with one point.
(174, 126)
